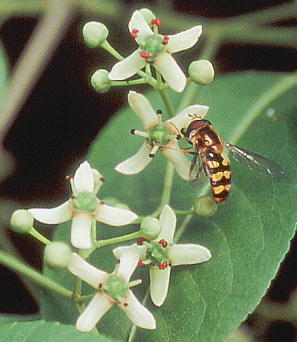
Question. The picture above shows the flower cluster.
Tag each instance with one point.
(155, 246)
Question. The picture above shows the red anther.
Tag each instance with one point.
(69, 177)
(156, 22)
(164, 243)
(141, 264)
(134, 33)
(100, 286)
(165, 40)
(140, 240)
(125, 304)
(73, 197)
(163, 266)
(102, 180)
(145, 54)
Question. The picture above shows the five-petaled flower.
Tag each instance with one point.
(156, 49)
(159, 135)
(84, 208)
(112, 289)
(161, 254)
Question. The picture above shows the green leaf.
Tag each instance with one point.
(46, 332)
(248, 236)
(11, 318)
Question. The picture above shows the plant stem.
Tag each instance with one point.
(182, 227)
(128, 83)
(106, 46)
(118, 239)
(166, 193)
(33, 232)
(15, 265)
(167, 103)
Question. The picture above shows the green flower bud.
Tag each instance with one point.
(100, 81)
(21, 221)
(205, 206)
(94, 33)
(147, 14)
(150, 227)
(57, 254)
(201, 72)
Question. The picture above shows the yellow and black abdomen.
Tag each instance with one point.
(220, 175)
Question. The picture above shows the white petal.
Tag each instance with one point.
(128, 262)
(187, 254)
(182, 119)
(83, 178)
(143, 109)
(168, 224)
(136, 163)
(127, 67)
(159, 283)
(183, 40)
(179, 160)
(59, 214)
(171, 71)
(138, 22)
(137, 313)
(140, 249)
(86, 272)
(93, 312)
(81, 230)
(115, 216)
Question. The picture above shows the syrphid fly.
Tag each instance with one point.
(209, 151)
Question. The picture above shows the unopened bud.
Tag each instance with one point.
(95, 33)
(150, 227)
(21, 221)
(100, 81)
(205, 206)
(57, 254)
(147, 14)
(201, 72)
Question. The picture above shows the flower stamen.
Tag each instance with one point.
(145, 54)
(154, 151)
(163, 266)
(165, 40)
(140, 133)
(164, 243)
(156, 22)
(134, 33)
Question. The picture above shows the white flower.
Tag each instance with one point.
(112, 289)
(159, 136)
(161, 254)
(157, 49)
(83, 208)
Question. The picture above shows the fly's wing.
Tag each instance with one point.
(254, 161)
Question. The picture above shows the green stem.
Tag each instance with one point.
(15, 265)
(127, 83)
(33, 232)
(184, 212)
(263, 102)
(118, 239)
(167, 103)
(168, 181)
(106, 46)
(182, 227)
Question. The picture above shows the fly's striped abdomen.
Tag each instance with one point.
(220, 175)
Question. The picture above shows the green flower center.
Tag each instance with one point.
(85, 201)
(115, 288)
(153, 45)
(157, 253)
(159, 135)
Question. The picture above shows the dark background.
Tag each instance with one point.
(64, 114)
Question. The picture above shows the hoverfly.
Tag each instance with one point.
(208, 153)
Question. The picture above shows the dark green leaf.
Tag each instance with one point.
(46, 332)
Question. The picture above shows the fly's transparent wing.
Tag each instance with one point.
(254, 161)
